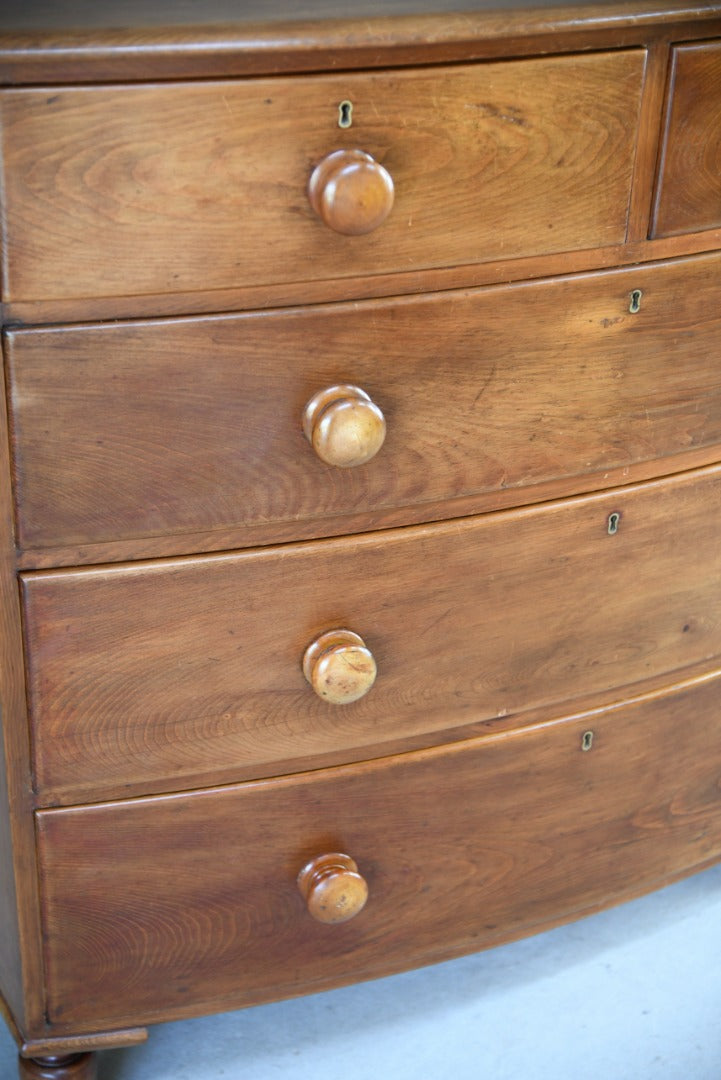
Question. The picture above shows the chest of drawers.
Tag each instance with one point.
(361, 491)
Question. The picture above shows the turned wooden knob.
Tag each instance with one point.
(351, 192)
(332, 888)
(339, 667)
(344, 427)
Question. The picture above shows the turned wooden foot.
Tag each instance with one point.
(68, 1067)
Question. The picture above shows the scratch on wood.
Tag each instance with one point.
(485, 385)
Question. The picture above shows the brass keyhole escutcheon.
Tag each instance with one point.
(345, 114)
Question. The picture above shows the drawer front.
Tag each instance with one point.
(166, 428)
(688, 196)
(209, 180)
(186, 672)
(157, 902)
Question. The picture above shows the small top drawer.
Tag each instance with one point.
(688, 196)
(209, 180)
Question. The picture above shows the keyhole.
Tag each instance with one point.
(613, 523)
(587, 740)
(635, 306)
(345, 114)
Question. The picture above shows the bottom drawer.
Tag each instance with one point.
(166, 906)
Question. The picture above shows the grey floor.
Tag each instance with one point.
(631, 994)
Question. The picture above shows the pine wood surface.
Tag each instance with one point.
(21, 982)
(534, 573)
(177, 673)
(687, 197)
(209, 180)
(197, 424)
(259, 297)
(85, 41)
(461, 848)
(48, 1046)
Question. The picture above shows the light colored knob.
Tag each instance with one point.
(351, 192)
(339, 667)
(332, 888)
(344, 427)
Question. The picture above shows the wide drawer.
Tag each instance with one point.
(172, 674)
(154, 904)
(208, 180)
(512, 393)
(688, 194)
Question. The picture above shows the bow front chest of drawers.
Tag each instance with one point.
(361, 491)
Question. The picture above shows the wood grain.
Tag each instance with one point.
(473, 275)
(647, 145)
(43, 42)
(688, 194)
(156, 903)
(184, 672)
(52, 1046)
(209, 180)
(168, 428)
(20, 955)
(155, 163)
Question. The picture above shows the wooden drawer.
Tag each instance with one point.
(173, 674)
(128, 190)
(688, 195)
(499, 395)
(153, 904)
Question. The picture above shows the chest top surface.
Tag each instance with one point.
(84, 41)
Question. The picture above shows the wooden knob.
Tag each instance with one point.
(332, 888)
(351, 192)
(339, 667)
(344, 427)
